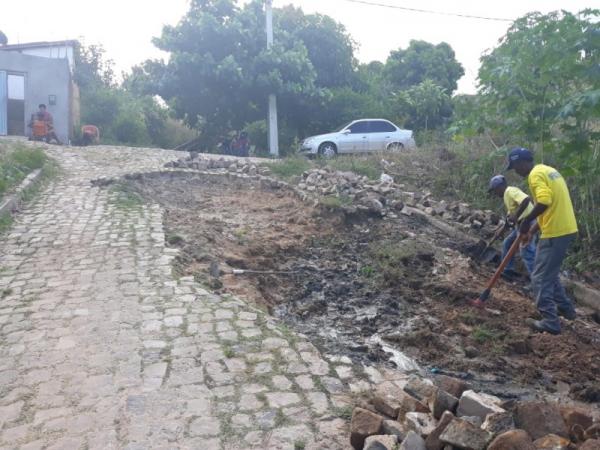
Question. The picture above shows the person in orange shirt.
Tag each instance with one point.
(90, 135)
(44, 116)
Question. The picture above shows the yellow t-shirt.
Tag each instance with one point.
(513, 197)
(549, 188)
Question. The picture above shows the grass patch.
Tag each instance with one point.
(228, 352)
(6, 222)
(397, 260)
(5, 292)
(174, 239)
(368, 166)
(26, 157)
(482, 334)
(344, 412)
(299, 445)
(16, 163)
(469, 318)
(335, 202)
(367, 271)
(125, 197)
(290, 167)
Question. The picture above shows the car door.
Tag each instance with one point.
(381, 135)
(354, 138)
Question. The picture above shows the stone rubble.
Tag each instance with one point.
(354, 193)
(425, 419)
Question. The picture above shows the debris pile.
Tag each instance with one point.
(384, 197)
(354, 193)
(421, 414)
(198, 161)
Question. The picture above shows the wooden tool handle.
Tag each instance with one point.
(511, 252)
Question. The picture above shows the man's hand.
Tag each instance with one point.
(525, 227)
(512, 219)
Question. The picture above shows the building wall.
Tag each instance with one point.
(43, 77)
(58, 52)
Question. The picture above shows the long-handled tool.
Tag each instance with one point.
(485, 295)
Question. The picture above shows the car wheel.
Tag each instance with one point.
(395, 146)
(327, 149)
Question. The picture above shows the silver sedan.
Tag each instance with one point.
(359, 136)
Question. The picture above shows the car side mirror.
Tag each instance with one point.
(346, 132)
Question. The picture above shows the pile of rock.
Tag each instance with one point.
(445, 414)
(199, 161)
(385, 196)
(356, 193)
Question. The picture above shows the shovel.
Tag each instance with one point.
(483, 257)
(485, 295)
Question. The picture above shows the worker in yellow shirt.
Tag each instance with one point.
(518, 206)
(554, 213)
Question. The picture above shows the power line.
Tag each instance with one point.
(428, 11)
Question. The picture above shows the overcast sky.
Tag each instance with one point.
(125, 27)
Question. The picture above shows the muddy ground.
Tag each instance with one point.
(366, 286)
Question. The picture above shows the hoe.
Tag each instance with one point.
(485, 295)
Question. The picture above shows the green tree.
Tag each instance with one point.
(220, 71)
(123, 114)
(330, 48)
(540, 87)
(541, 63)
(425, 106)
(422, 61)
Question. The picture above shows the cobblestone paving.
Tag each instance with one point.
(102, 347)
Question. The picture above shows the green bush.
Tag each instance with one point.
(16, 163)
(290, 167)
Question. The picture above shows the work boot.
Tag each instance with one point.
(540, 327)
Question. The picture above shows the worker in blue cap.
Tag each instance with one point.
(553, 210)
(518, 206)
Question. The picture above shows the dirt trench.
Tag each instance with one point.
(366, 286)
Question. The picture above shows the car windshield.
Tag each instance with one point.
(337, 130)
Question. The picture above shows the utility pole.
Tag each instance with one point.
(273, 131)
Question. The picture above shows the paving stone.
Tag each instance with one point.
(279, 399)
(274, 343)
(113, 352)
(205, 426)
(11, 412)
(282, 383)
(250, 402)
(478, 404)
(173, 321)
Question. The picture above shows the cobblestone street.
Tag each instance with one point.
(102, 347)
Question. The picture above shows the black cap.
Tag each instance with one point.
(518, 154)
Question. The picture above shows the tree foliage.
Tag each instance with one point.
(220, 73)
(541, 63)
(422, 61)
(540, 87)
(123, 115)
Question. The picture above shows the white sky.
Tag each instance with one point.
(125, 27)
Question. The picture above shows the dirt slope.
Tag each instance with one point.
(360, 285)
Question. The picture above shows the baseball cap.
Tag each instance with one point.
(497, 180)
(518, 154)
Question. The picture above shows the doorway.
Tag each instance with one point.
(15, 107)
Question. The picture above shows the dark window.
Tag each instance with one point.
(379, 126)
(359, 127)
